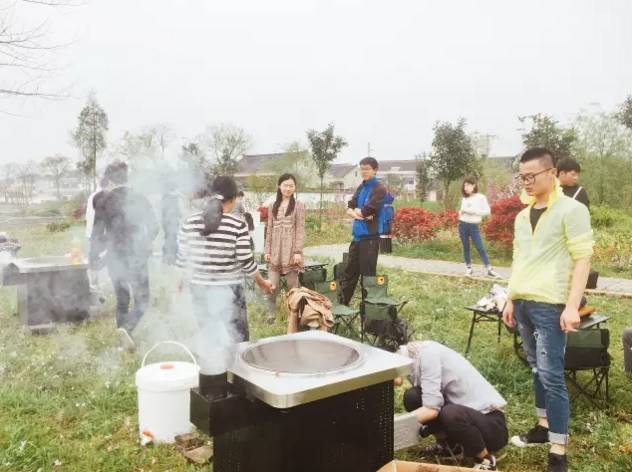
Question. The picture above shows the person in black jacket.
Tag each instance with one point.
(364, 207)
(568, 171)
(125, 227)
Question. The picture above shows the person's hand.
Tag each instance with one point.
(358, 214)
(266, 257)
(569, 321)
(398, 381)
(298, 259)
(508, 314)
(266, 286)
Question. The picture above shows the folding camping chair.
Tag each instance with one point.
(344, 316)
(311, 277)
(587, 351)
(379, 322)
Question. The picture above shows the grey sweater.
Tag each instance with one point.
(446, 377)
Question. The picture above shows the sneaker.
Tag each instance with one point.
(557, 463)
(125, 340)
(489, 463)
(536, 436)
(441, 450)
(492, 273)
(468, 272)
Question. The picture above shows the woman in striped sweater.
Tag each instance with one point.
(214, 249)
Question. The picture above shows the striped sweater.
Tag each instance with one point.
(221, 258)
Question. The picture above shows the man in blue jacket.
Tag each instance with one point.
(364, 207)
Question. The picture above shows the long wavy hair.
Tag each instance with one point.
(279, 197)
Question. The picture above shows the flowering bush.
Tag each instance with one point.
(614, 249)
(78, 213)
(447, 219)
(414, 225)
(500, 226)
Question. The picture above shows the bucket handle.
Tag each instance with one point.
(186, 349)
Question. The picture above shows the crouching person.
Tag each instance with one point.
(455, 403)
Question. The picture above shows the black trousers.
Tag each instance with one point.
(130, 278)
(473, 430)
(362, 261)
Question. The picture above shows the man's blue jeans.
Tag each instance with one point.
(472, 231)
(545, 344)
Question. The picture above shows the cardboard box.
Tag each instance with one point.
(403, 466)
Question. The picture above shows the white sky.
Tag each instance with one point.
(382, 71)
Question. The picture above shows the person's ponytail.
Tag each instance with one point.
(212, 214)
(223, 189)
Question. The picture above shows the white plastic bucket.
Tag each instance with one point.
(163, 397)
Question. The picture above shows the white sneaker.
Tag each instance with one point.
(469, 271)
(125, 340)
(492, 273)
(486, 464)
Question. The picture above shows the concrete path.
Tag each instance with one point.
(605, 285)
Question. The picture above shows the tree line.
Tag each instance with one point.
(601, 141)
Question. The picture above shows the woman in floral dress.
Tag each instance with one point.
(285, 237)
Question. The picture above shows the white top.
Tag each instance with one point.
(474, 208)
(90, 213)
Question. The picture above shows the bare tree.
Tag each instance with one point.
(225, 143)
(26, 178)
(56, 167)
(8, 178)
(26, 53)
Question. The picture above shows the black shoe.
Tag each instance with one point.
(557, 463)
(536, 436)
(441, 449)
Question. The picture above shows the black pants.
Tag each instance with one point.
(130, 278)
(362, 261)
(472, 429)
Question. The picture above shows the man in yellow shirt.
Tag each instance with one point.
(553, 243)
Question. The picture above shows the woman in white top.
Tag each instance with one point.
(474, 207)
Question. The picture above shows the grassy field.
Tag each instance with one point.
(68, 400)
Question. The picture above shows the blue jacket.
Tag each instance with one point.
(369, 197)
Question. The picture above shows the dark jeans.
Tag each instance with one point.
(545, 345)
(472, 231)
(362, 261)
(130, 278)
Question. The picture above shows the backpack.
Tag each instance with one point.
(386, 216)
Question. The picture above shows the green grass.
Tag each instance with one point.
(334, 233)
(70, 396)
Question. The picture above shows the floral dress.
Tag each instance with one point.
(285, 237)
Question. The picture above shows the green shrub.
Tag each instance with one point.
(605, 217)
(311, 223)
(57, 226)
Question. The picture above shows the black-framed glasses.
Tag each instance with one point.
(528, 179)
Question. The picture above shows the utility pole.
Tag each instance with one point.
(368, 151)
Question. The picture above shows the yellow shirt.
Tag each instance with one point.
(543, 259)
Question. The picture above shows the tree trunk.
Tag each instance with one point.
(446, 191)
(320, 211)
